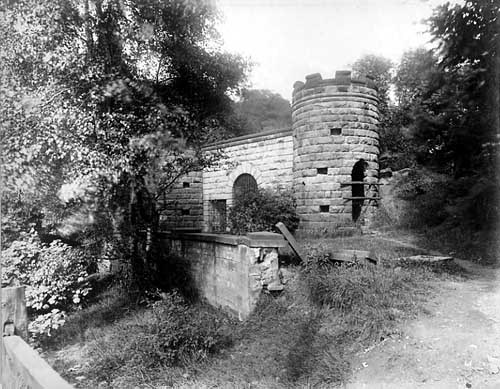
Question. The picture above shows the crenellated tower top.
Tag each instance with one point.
(343, 82)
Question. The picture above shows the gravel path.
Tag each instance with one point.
(456, 344)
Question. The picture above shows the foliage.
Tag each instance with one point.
(45, 324)
(414, 76)
(380, 69)
(54, 276)
(258, 110)
(370, 299)
(260, 211)
(287, 336)
(169, 333)
(398, 136)
(113, 97)
(393, 142)
(461, 111)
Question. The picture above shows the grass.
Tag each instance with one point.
(303, 337)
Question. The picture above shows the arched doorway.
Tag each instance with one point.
(245, 183)
(358, 189)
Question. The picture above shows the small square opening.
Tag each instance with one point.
(324, 208)
(336, 131)
(185, 212)
(185, 184)
(322, 170)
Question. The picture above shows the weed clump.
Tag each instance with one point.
(170, 333)
(369, 300)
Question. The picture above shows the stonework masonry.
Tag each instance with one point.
(268, 157)
(184, 204)
(335, 126)
(229, 271)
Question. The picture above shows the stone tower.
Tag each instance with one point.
(335, 147)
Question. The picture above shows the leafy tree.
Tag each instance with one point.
(259, 109)
(465, 101)
(414, 78)
(392, 142)
(414, 75)
(112, 98)
(380, 69)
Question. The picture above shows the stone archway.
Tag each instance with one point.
(358, 188)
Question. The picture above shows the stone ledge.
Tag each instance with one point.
(252, 239)
(251, 138)
(29, 367)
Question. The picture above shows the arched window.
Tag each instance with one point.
(245, 183)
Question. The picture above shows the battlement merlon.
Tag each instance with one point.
(342, 78)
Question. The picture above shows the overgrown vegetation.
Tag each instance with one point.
(55, 278)
(370, 300)
(458, 215)
(306, 335)
(260, 210)
(169, 333)
(446, 126)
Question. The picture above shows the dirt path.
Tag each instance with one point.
(455, 345)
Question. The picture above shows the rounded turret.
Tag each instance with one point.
(335, 147)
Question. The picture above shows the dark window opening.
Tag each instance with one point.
(244, 184)
(322, 170)
(217, 216)
(185, 212)
(336, 131)
(324, 208)
(185, 184)
(358, 190)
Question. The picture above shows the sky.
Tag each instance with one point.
(289, 39)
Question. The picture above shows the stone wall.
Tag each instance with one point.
(184, 204)
(192, 203)
(334, 126)
(23, 368)
(267, 156)
(230, 271)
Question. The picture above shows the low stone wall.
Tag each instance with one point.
(23, 368)
(230, 271)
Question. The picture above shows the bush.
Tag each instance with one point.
(261, 210)
(171, 333)
(54, 277)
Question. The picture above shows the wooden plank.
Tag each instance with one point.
(14, 313)
(362, 198)
(291, 240)
(427, 258)
(346, 183)
(353, 256)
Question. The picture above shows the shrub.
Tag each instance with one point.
(171, 333)
(261, 210)
(54, 277)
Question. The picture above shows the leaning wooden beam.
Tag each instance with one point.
(291, 241)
